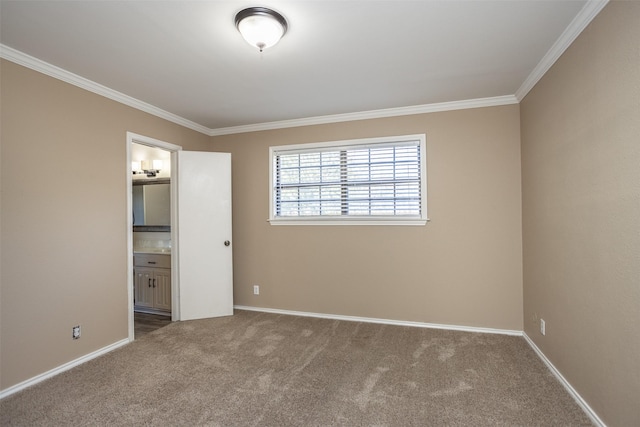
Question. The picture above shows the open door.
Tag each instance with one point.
(205, 262)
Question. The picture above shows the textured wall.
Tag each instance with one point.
(64, 249)
(581, 205)
(463, 268)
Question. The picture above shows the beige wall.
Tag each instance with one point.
(63, 220)
(581, 204)
(64, 249)
(575, 212)
(463, 268)
(64, 229)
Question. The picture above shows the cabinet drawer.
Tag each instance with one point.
(152, 260)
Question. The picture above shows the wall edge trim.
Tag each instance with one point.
(20, 58)
(567, 385)
(575, 28)
(60, 369)
(372, 114)
(589, 11)
(381, 321)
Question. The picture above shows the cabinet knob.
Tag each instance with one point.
(227, 243)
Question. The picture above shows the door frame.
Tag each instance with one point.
(175, 286)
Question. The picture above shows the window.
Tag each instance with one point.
(365, 181)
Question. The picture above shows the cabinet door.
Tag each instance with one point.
(143, 287)
(162, 290)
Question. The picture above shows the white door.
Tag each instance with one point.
(205, 268)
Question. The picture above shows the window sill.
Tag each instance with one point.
(350, 221)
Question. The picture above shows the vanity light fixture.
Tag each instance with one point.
(149, 167)
(135, 167)
(261, 27)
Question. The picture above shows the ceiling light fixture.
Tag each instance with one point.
(261, 27)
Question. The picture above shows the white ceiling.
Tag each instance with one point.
(338, 57)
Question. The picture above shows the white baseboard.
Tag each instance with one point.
(576, 396)
(382, 321)
(55, 371)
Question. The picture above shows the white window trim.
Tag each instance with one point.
(353, 220)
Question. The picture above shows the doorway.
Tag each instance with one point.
(157, 236)
(201, 234)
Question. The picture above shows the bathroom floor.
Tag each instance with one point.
(145, 323)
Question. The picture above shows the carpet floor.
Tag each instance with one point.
(260, 369)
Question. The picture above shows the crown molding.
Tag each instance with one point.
(372, 114)
(36, 64)
(579, 23)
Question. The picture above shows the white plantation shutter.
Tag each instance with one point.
(372, 179)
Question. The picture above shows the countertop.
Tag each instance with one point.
(156, 251)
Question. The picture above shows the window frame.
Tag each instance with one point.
(415, 220)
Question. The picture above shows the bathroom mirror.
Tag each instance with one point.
(151, 205)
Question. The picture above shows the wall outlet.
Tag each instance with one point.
(542, 327)
(75, 334)
(256, 289)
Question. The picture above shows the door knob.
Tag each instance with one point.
(227, 243)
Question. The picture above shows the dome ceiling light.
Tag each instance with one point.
(261, 27)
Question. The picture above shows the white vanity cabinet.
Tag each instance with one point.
(152, 283)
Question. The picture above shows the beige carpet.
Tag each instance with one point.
(258, 369)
